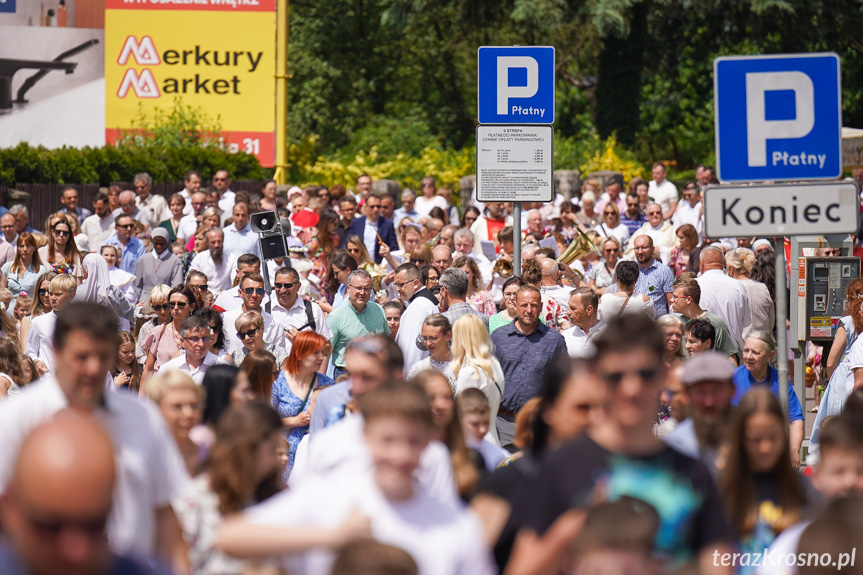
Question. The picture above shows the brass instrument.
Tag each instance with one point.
(376, 272)
(503, 268)
(580, 246)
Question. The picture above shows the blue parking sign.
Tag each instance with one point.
(515, 85)
(778, 117)
(7, 6)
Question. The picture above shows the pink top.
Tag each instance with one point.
(167, 346)
(483, 302)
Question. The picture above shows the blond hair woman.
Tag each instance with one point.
(181, 402)
(474, 365)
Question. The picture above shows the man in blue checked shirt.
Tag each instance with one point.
(525, 348)
(654, 278)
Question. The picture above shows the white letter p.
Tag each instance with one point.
(505, 91)
(758, 128)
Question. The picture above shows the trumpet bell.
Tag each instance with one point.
(503, 268)
(581, 245)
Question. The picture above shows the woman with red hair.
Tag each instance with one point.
(292, 391)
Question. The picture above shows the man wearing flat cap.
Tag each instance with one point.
(157, 267)
(708, 382)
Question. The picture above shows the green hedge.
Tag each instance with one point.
(24, 163)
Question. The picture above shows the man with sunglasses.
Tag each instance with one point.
(158, 267)
(252, 291)
(132, 247)
(197, 337)
(407, 210)
(421, 303)
(632, 217)
(360, 318)
(620, 456)
(232, 299)
(373, 229)
(294, 313)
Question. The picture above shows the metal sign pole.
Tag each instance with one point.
(781, 317)
(516, 237)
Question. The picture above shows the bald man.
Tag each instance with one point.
(150, 471)
(442, 258)
(56, 506)
(722, 295)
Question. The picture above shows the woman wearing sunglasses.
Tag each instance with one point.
(60, 253)
(157, 302)
(250, 331)
(165, 341)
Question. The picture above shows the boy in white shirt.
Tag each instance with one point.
(443, 539)
(475, 413)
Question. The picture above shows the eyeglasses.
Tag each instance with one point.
(510, 295)
(63, 233)
(244, 334)
(645, 374)
(177, 304)
(127, 205)
(610, 213)
(126, 226)
(202, 287)
(427, 339)
(140, 187)
(427, 185)
(43, 292)
(288, 285)
(361, 289)
(373, 207)
(403, 284)
(250, 291)
(198, 340)
(159, 307)
(220, 179)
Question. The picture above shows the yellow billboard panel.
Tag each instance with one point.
(217, 59)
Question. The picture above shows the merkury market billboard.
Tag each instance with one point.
(217, 55)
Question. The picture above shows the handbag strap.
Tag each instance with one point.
(623, 307)
(309, 392)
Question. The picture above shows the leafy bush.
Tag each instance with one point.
(39, 165)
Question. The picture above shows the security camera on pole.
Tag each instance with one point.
(514, 138)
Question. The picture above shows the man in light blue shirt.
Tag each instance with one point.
(654, 277)
(239, 237)
(132, 247)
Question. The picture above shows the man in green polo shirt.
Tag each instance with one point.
(359, 318)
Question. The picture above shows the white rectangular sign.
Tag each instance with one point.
(815, 208)
(514, 163)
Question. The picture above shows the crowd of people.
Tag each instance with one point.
(391, 398)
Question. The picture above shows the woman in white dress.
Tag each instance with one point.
(97, 287)
(474, 365)
(120, 279)
(626, 300)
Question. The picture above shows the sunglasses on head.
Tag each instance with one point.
(250, 291)
(244, 334)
